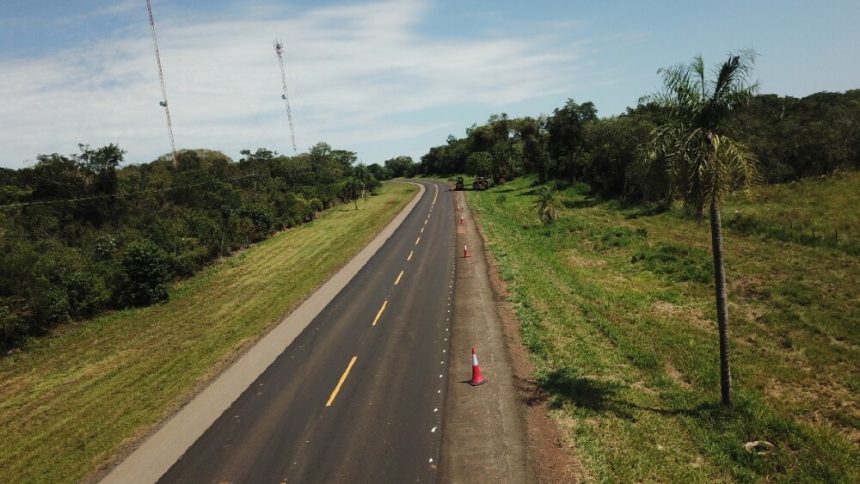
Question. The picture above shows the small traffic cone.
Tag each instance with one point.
(477, 377)
(462, 221)
(465, 251)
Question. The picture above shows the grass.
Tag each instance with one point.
(616, 305)
(71, 401)
(792, 212)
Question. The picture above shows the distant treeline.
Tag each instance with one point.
(792, 138)
(79, 234)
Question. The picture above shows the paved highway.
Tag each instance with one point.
(358, 395)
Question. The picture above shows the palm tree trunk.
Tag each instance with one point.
(722, 309)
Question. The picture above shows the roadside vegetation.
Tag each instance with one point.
(625, 297)
(79, 234)
(71, 400)
(617, 308)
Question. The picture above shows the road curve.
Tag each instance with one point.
(358, 394)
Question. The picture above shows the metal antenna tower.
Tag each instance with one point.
(163, 102)
(279, 49)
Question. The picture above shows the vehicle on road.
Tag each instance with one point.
(480, 184)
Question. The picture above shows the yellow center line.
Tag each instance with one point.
(379, 313)
(342, 379)
(410, 256)
(398, 278)
(417, 240)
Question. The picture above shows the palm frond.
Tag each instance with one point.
(738, 166)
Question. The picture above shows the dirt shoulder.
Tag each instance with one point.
(499, 431)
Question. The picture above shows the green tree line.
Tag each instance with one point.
(79, 234)
(791, 138)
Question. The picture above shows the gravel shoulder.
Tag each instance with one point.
(499, 431)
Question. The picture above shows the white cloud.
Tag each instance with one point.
(355, 73)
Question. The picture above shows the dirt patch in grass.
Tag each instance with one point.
(575, 259)
(693, 316)
(676, 375)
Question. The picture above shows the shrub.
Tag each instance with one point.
(86, 293)
(146, 272)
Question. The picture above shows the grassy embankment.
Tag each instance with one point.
(72, 400)
(617, 307)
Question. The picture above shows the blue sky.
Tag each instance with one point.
(381, 78)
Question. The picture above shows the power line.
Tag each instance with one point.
(121, 195)
(279, 49)
(163, 101)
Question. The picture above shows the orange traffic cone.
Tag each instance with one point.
(465, 251)
(477, 377)
(461, 220)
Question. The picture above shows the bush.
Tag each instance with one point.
(146, 272)
(86, 293)
(50, 307)
(15, 317)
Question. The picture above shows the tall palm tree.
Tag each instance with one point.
(704, 164)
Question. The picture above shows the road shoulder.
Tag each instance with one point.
(499, 431)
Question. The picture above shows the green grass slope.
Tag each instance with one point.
(617, 307)
(70, 401)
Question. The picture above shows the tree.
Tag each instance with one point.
(399, 166)
(378, 171)
(703, 163)
(352, 190)
(365, 177)
(479, 163)
(566, 141)
(532, 134)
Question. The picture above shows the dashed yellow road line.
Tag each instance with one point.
(410, 256)
(398, 278)
(379, 313)
(339, 383)
(417, 240)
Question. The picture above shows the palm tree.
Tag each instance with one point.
(353, 188)
(546, 205)
(364, 177)
(704, 164)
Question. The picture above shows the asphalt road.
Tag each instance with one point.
(357, 397)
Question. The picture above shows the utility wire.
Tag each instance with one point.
(120, 195)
